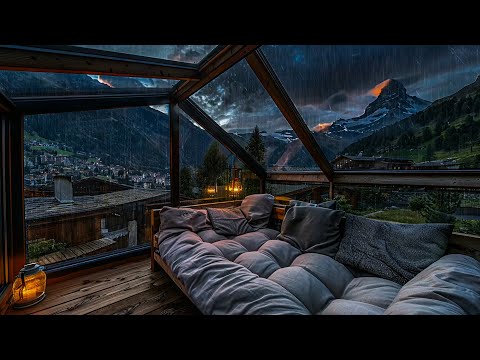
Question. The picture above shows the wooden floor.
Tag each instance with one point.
(121, 289)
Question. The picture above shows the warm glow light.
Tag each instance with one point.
(29, 286)
(379, 87)
(322, 127)
(211, 190)
(103, 81)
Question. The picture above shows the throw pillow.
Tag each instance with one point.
(312, 229)
(183, 218)
(229, 222)
(257, 209)
(392, 251)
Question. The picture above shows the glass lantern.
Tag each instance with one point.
(29, 286)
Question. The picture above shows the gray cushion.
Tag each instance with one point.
(229, 221)
(183, 218)
(257, 209)
(312, 229)
(450, 285)
(330, 204)
(392, 251)
(348, 307)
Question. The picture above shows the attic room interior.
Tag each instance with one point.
(240, 180)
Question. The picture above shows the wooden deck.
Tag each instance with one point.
(73, 252)
(128, 288)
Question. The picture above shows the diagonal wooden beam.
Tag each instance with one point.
(272, 84)
(221, 60)
(6, 105)
(59, 104)
(205, 121)
(77, 60)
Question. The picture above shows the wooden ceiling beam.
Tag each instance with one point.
(70, 103)
(272, 84)
(77, 60)
(224, 138)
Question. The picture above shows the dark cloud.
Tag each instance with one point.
(327, 82)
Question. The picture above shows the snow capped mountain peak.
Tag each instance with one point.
(391, 105)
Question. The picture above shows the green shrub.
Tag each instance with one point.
(42, 247)
(467, 226)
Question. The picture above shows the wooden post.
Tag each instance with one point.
(262, 186)
(331, 192)
(12, 174)
(174, 154)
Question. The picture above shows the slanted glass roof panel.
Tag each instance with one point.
(184, 53)
(25, 83)
(237, 101)
(388, 107)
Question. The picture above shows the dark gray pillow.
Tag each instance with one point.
(331, 204)
(183, 218)
(312, 229)
(392, 251)
(257, 209)
(229, 221)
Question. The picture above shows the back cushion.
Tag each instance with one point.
(229, 222)
(392, 251)
(312, 229)
(257, 209)
(184, 218)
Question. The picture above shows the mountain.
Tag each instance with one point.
(448, 129)
(392, 105)
(132, 137)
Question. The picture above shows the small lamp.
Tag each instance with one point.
(29, 286)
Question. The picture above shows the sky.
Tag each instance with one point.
(328, 82)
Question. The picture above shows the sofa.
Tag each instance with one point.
(322, 261)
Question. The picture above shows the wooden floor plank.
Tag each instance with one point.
(126, 288)
(89, 303)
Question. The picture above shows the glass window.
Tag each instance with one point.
(3, 237)
(24, 83)
(387, 107)
(184, 53)
(237, 101)
(89, 177)
(209, 172)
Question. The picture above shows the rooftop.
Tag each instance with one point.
(47, 207)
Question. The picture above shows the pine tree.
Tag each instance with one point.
(429, 154)
(213, 167)
(255, 146)
(186, 182)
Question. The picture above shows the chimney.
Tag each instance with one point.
(63, 189)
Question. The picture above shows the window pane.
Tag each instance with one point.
(184, 53)
(387, 107)
(113, 162)
(238, 102)
(209, 172)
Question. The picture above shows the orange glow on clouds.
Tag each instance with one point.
(321, 127)
(103, 81)
(378, 88)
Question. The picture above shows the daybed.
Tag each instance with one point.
(227, 261)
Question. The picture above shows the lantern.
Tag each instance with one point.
(29, 286)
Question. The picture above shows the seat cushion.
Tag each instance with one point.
(450, 285)
(392, 251)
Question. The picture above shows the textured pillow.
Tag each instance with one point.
(312, 229)
(229, 221)
(257, 209)
(183, 218)
(392, 251)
